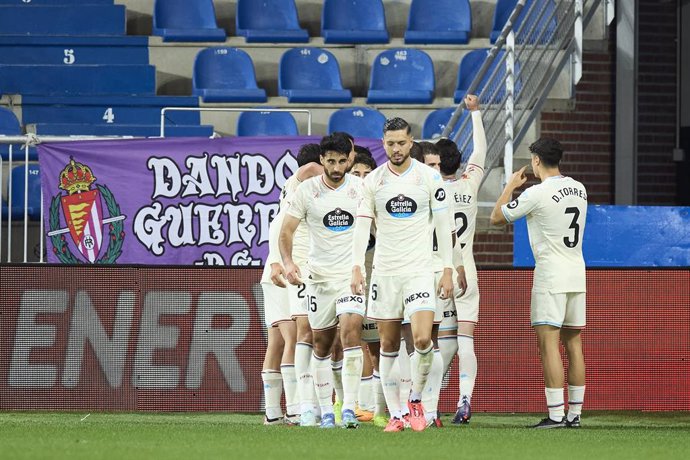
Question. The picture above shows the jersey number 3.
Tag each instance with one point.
(575, 226)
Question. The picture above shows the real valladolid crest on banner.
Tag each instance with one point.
(92, 233)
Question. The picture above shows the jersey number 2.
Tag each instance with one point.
(575, 226)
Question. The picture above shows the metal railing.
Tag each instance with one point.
(520, 70)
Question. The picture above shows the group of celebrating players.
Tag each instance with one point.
(370, 286)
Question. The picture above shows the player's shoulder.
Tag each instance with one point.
(376, 175)
(354, 180)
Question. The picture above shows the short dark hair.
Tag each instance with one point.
(344, 134)
(365, 159)
(450, 156)
(549, 151)
(416, 152)
(428, 148)
(362, 150)
(396, 124)
(308, 153)
(335, 142)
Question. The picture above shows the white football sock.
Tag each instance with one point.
(305, 380)
(554, 401)
(576, 397)
(390, 380)
(353, 360)
(379, 397)
(448, 345)
(337, 367)
(273, 389)
(420, 372)
(290, 388)
(405, 377)
(323, 382)
(467, 365)
(432, 390)
(365, 397)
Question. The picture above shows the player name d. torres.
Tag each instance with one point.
(569, 191)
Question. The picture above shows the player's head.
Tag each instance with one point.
(363, 165)
(546, 153)
(348, 136)
(335, 154)
(359, 149)
(397, 140)
(309, 153)
(416, 152)
(450, 156)
(430, 155)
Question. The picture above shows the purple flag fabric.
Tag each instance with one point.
(176, 201)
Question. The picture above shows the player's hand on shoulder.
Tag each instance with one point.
(308, 171)
(277, 275)
(471, 102)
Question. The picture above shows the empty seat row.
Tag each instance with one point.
(312, 75)
(74, 18)
(16, 191)
(342, 21)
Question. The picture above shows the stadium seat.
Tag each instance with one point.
(266, 124)
(34, 192)
(110, 110)
(436, 122)
(311, 75)
(269, 21)
(9, 126)
(77, 129)
(30, 3)
(224, 74)
(353, 21)
(77, 79)
(439, 22)
(504, 9)
(358, 121)
(402, 76)
(186, 21)
(470, 66)
(61, 50)
(83, 19)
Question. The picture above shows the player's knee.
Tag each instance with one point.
(390, 345)
(422, 341)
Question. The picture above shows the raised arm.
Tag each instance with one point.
(478, 156)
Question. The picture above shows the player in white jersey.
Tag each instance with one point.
(464, 193)
(281, 331)
(328, 205)
(556, 210)
(404, 197)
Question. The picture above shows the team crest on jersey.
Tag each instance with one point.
(352, 193)
(513, 204)
(401, 206)
(338, 220)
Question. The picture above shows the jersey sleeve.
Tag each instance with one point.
(439, 196)
(297, 204)
(366, 201)
(522, 205)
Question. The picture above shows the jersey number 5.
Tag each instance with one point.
(575, 226)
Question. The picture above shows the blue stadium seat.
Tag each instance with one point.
(502, 13)
(63, 20)
(75, 129)
(402, 76)
(266, 124)
(9, 126)
(61, 50)
(439, 22)
(358, 121)
(34, 192)
(31, 3)
(311, 75)
(186, 21)
(436, 122)
(224, 74)
(115, 110)
(470, 66)
(77, 79)
(269, 21)
(353, 21)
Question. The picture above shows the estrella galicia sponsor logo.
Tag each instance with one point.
(338, 220)
(513, 204)
(401, 206)
(416, 296)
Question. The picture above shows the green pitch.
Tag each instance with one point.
(619, 435)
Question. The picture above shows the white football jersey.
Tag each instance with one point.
(556, 211)
(402, 205)
(436, 255)
(463, 194)
(330, 217)
(300, 244)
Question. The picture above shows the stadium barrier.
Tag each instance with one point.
(140, 338)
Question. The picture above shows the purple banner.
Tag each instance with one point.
(176, 201)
